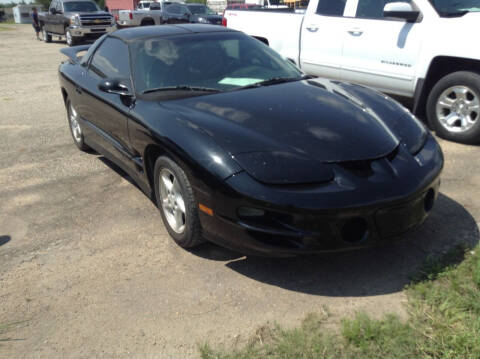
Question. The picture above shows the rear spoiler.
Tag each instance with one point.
(71, 52)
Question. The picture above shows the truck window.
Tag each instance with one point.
(373, 9)
(331, 7)
(111, 59)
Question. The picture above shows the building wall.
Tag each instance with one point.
(121, 4)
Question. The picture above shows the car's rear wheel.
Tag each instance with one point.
(177, 204)
(45, 35)
(453, 107)
(75, 128)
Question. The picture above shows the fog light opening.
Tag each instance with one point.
(355, 230)
(429, 200)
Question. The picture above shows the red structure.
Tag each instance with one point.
(115, 5)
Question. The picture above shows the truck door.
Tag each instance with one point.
(50, 18)
(381, 52)
(322, 35)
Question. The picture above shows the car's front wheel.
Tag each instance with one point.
(75, 128)
(453, 107)
(71, 41)
(177, 204)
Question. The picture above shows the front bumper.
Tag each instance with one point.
(309, 219)
(91, 31)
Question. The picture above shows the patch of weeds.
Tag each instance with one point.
(444, 322)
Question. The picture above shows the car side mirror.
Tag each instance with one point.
(115, 86)
(401, 10)
(53, 11)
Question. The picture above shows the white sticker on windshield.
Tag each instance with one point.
(238, 81)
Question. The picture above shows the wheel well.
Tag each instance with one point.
(152, 152)
(262, 39)
(440, 67)
(64, 95)
(147, 20)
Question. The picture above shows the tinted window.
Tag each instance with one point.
(174, 9)
(448, 7)
(111, 59)
(81, 6)
(239, 60)
(331, 7)
(373, 9)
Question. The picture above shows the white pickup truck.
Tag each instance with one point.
(146, 13)
(426, 50)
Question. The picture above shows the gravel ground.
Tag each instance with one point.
(87, 268)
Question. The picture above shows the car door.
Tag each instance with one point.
(106, 114)
(382, 52)
(323, 32)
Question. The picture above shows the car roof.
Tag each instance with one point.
(135, 33)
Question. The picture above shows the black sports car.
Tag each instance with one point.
(238, 147)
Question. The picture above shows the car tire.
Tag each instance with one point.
(176, 203)
(75, 128)
(453, 107)
(71, 41)
(46, 36)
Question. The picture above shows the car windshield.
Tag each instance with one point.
(200, 10)
(213, 62)
(455, 7)
(80, 6)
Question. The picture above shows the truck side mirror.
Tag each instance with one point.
(401, 10)
(53, 11)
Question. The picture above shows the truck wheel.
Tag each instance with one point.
(70, 39)
(453, 107)
(45, 35)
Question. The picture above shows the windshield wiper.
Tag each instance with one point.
(180, 88)
(273, 81)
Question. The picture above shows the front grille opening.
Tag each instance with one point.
(355, 230)
(429, 200)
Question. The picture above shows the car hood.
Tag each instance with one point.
(312, 118)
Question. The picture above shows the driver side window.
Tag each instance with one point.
(331, 7)
(111, 60)
(373, 9)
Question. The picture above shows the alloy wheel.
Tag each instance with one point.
(458, 108)
(173, 204)
(74, 125)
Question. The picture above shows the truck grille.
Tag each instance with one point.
(96, 20)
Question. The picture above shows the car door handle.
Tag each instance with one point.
(355, 32)
(78, 90)
(312, 28)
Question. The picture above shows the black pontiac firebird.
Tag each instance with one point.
(238, 147)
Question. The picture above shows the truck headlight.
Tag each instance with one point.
(113, 20)
(75, 20)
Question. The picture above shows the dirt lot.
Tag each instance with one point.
(87, 268)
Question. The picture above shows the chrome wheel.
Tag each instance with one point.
(171, 197)
(458, 108)
(44, 33)
(74, 125)
(68, 37)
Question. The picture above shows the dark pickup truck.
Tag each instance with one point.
(77, 20)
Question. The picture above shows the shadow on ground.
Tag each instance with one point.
(371, 271)
(5, 240)
(366, 272)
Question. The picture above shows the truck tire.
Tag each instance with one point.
(71, 41)
(46, 36)
(453, 107)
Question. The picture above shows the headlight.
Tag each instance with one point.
(75, 20)
(203, 20)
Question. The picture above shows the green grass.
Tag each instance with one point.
(443, 322)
